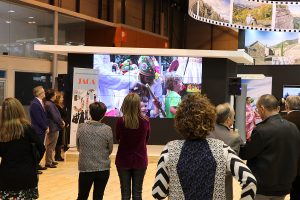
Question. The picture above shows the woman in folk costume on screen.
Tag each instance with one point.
(149, 74)
(190, 69)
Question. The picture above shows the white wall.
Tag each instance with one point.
(13, 64)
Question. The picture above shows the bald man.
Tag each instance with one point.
(225, 119)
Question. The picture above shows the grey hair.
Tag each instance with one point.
(224, 111)
(293, 102)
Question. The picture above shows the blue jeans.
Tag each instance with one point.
(134, 178)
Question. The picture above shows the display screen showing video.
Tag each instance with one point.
(291, 90)
(160, 81)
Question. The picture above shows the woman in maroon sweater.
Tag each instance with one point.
(132, 132)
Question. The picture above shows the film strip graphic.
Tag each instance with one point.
(280, 16)
(278, 2)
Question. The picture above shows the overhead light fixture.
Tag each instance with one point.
(11, 11)
(30, 17)
(8, 22)
(31, 22)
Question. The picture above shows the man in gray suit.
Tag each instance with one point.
(225, 119)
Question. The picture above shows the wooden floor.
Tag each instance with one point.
(61, 183)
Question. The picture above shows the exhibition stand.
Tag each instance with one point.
(217, 66)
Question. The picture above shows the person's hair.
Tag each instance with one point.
(248, 98)
(37, 91)
(144, 99)
(131, 110)
(224, 111)
(195, 117)
(170, 79)
(59, 95)
(13, 120)
(268, 101)
(97, 110)
(293, 102)
(49, 94)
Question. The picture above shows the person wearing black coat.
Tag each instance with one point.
(292, 106)
(20, 150)
(272, 153)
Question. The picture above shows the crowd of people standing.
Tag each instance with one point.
(200, 166)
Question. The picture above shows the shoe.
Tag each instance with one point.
(59, 159)
(41, 168)
(54, 163)
(39, 172)
(50, 166)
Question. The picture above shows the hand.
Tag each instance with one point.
(156, 103)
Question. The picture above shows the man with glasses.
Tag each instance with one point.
(292, 106)
(272, 153)
(38, 116)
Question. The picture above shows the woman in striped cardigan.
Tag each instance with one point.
(195, 168)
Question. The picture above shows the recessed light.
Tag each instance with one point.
(30, 17)
(32, 22)
(8, 22)
(11, 11)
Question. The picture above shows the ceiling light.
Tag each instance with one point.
(30, 17)
(11, 11)
(8, 22)
(31, 22)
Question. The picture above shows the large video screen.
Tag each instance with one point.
(273, 48)
(160, 81)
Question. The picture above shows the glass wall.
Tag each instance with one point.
(21, 27)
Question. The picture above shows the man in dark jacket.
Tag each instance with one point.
(292, 106)
(272, 153)
(38, 115)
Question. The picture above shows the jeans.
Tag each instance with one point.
(137, 177)
(263, 197)
(86, 180)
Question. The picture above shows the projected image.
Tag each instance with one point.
(287, 17)
(160, 81)
(218, 10)
(248, 13)
(273, 48)
(291, 90)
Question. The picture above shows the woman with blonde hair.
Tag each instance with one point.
(19, 147)
(132, 133)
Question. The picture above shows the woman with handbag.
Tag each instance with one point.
(18, 174)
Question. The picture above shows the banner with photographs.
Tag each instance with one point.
(248, 14)
(85, 86)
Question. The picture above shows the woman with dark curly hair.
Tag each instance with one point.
(195, 168)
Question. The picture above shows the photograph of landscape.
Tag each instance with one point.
(248, 13)
(273, 48)
(287, 17)
(218, 10)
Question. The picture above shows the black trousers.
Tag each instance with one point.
(131, 178)
(295, 192)
(87, 179)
